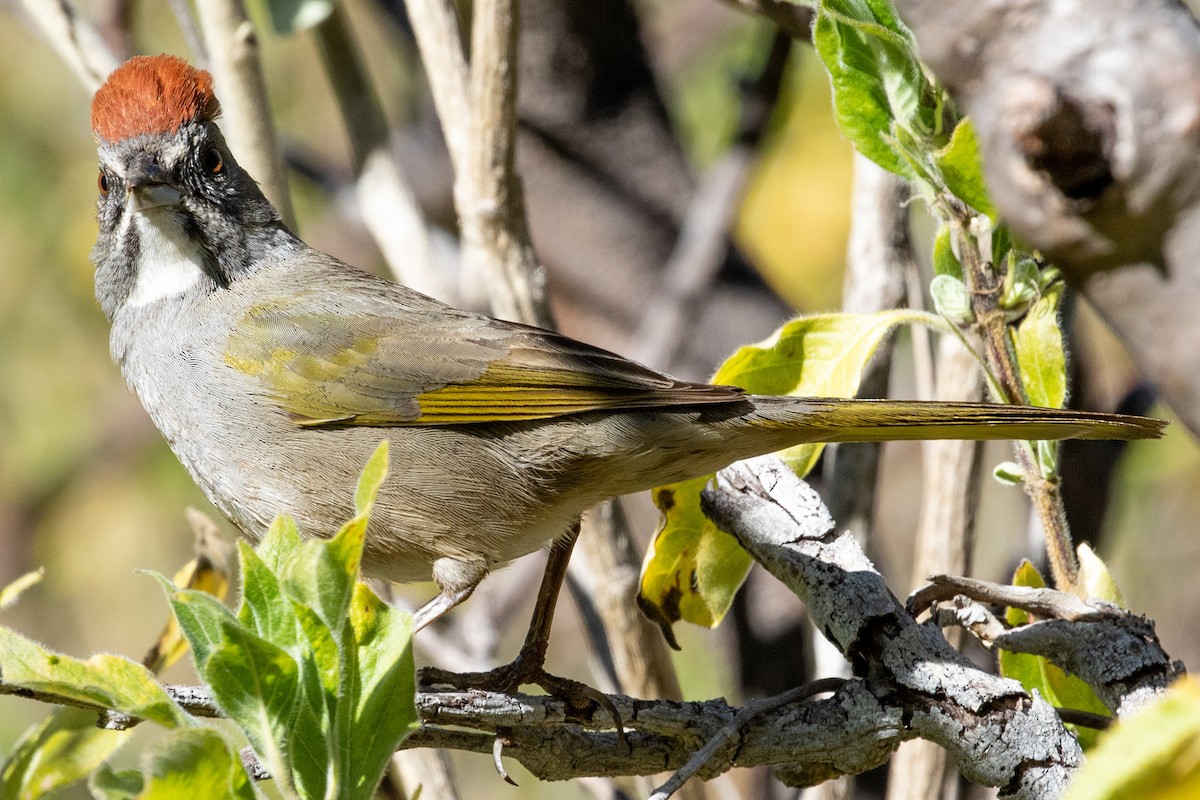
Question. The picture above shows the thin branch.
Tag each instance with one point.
(438, 32)
(233, 59)
(488, 192)
(1046, 603)
(77, 43)
(387, 204)
(182, 9)
(732, 728)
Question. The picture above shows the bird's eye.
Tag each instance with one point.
(102, 183)
(213, 161)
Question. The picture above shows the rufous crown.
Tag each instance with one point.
(152, 94)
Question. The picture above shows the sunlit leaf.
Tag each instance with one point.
(693, 570)
(194, 763)
(383, 690)
(1040, 355)
(1096, 579)
(60, 750)
(1155, 755)
(882, 99)
(104, 680)
(255, 683)
(962, 168)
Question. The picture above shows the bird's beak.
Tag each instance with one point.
(149, 185)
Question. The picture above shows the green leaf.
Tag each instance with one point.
(310, 750)
(194, 763)
(951, 299)
(264, 608)
(1009, 473)
(371, 479)
(1040, 355)
(383, 690)
(60, 750)
(315, 577)
(255, 683)
(10, 593)
(201, 618)
(944, 260)
(879, 88)
(1057, 687)
(107, 681)
(296, 16)
(1096, 579)
(107, 784)
(322, 649)
(962, 168)
(693, 570)
(282, 538)
(1154, 755)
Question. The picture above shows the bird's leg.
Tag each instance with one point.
(529, 665)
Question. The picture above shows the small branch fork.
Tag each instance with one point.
(909, 681)
(1113, 651)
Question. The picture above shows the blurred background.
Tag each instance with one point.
(625, 111)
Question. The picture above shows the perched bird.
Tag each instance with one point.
(274, 371)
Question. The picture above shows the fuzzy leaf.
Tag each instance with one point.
(65, 747)
(104, 680)
(881, 97)
(1154, 755)
(382, 690)
(1040, 355)
(962, 168)
(1096, 579)
(256, 685)
(195, 763)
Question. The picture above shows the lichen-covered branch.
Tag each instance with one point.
(1114, 651)
(946, 699)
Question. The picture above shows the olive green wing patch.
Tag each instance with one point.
(439, 369)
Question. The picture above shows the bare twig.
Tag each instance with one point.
(732, 728)
(438, 32)
(74, 39)
(233, 59)
(488, 193)
(387, 204)
(182, 9)
(1046, 603)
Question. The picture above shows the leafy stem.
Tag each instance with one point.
(985, 288)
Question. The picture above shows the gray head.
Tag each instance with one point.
(177, 214)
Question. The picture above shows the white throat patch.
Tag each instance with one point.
(168, 263)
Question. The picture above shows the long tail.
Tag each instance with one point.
(833, 420)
